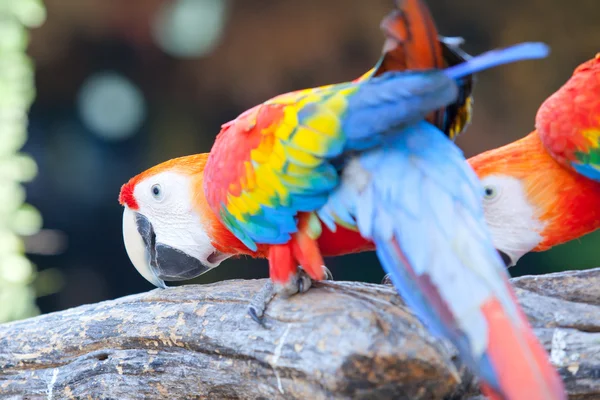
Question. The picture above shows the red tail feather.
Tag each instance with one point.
(522, 366)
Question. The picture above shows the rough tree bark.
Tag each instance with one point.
(340, 340)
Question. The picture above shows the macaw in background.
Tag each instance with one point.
(357, 158)
(544, 189)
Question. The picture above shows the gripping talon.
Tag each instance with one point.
(328, 274)
(255, 315)
(260, 301)
(300, 284)
(303, 281)
(387, 280)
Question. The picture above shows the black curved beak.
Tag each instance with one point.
(167, 263)
(505, 258)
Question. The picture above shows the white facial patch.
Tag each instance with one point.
(511, 218)
(166, 200)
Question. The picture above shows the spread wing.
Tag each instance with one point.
(278, 158)
(568, 122)
(270, 163)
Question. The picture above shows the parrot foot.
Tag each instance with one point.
(259, 302)
(298, 283)
(387, 280)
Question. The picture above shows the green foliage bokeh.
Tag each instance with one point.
(17, 219)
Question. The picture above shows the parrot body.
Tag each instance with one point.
(357, 155)
(543, 190)
(288, 166)
(276, 164)
(372, 161)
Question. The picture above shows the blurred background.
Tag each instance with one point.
(123, 85)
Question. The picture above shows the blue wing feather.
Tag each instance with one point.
(424, 227)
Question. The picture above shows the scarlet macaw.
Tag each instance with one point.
(357, 155)
(544, 189)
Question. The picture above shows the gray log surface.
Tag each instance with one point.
(340, 340)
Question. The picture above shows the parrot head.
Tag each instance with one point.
(166, 222)
(536, 195)
(531, 201)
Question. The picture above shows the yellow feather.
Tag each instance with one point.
(310, 140)
(278, 158)
(269, 182)
(288, 123)
(593, 136)
(337, 103)
(258, 156)
(262, 153)
(233, 209)
(297, 170)
(294, 181)
(261, 197)
(325, 123)
(252, 205)
(313, 97)
(302, 157)
(239, 203)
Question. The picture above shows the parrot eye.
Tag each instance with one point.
(156, 192)
(490, 192)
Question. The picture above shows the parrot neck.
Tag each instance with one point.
(567, 201)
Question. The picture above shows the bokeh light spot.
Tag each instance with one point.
(15, 268)
(190, 28)
(111, 106)
(27, 220)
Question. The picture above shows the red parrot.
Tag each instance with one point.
(544, 189)
(285, 177)
(412, 42)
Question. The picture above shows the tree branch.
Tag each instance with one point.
(339, 340)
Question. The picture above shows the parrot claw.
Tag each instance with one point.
(298, 283)
(328, 274)
(258, 304)
(387, 280)
(257, 315)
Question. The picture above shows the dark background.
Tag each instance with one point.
(120, 89)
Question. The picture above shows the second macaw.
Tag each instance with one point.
(357, 155)
(544, 189)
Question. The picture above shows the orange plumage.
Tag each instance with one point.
(549, 160)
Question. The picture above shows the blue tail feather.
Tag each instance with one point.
(494, 58)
